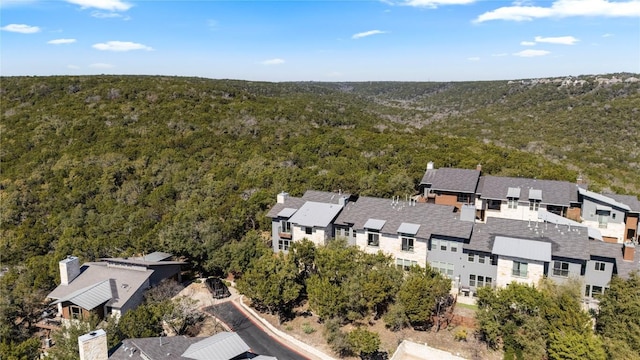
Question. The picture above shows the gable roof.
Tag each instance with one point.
(315, 214)
(600, 249)
(91, 296)
(551, 192)
(90, 285)
(221, 346)
(432, 219)
(452, 179)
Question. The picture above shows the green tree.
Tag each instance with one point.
(271, 283)
(420, 293)
(143, 321)
(364, 342)
(65, 340)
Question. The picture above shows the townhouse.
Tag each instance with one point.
(506, 230)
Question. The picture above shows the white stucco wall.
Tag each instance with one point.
(614, 230)
(317, 236)
(522, 212)
(535, 272)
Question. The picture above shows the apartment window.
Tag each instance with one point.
(454, 246)
(513, 203)
(443, 245)
(603, 218)
(519, 269)
(534, 205)
(373, 239)
(494, 204)
(472, 280)
(285, 227)
(480, 281)
(464, 198)
(283, 244)
(488, 281)
(444, 268)
(407, 244)
(405, 264)
(308, 230)
(596, 290)
(75, 312)
(471, 257)
(481, 259)
(560, 268)
(600, 266)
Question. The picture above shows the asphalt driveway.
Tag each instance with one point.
(259, 341)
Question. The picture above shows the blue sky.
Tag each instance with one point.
(300, 40)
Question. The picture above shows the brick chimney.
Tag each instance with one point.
(628, 251)
(69, 269)
(93, 346)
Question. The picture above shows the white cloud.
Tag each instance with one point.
(532, 53)
(367, 33)
(121, 46)
(108, 15)
(273, 62)
(564, 8)
(21, 28)
(562, 40)
(61, 41)
(109, 5)
(474, 58)
(527, 43)
(435, 3)
(101, 66)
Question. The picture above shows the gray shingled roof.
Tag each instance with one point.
(324, 196)
(290, 202)
(629, 200)
(614, 251)
(432, 218)
(606, 199)
(451, 179)
(554, 192)
(566, 241)
(156, 256)
(124, 284)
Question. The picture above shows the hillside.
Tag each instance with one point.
(106, 166)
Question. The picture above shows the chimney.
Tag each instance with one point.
(282, 197)
(69, 269)
(579, 180)
(479, 167)
(430, 165)
(628, 251)
(93, 346)
(342, 200)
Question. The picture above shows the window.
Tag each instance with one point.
(443, 245)
(560, 268)
(308, 230)
(471, 257)
(600, 266)
(285, 227)
(534, 205)
(464, 198)
(488, 281)
(587, 290)
(373, 239)
(494, 204)
(75, 312)
(472, 280)
(481, 259)
(603, 218)
(513, 203)
(454, 246)
(283, 244)
(444, 268)
(480, 281)
(596, 290)
(407, 244)
(519, 269)
(405, 264)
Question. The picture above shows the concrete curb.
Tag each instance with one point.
(307, 348)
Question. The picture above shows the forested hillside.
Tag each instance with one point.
(103, 166)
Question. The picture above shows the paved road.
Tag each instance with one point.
(259, 341)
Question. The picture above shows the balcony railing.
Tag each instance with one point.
(284, 234)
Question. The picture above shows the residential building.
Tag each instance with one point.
(111, 286)
(616, 216)
(450, 186)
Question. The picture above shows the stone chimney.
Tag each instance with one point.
(628, 251)
(282, 197)
(93, 346)
(430, 165)
(69, 269)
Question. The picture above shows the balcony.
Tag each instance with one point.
(284, 234)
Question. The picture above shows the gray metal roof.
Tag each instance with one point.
(90, 297)
(562, 193)
(123, 282)
(287, 212)
(451, 179)
(315, 214)
(374, 224)
(433, 219)
(221, 346)
(535, 194)
(513, 192)
(603, 199)
(522, 248)
(156, 256)
(566, 241)
(408, 228)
